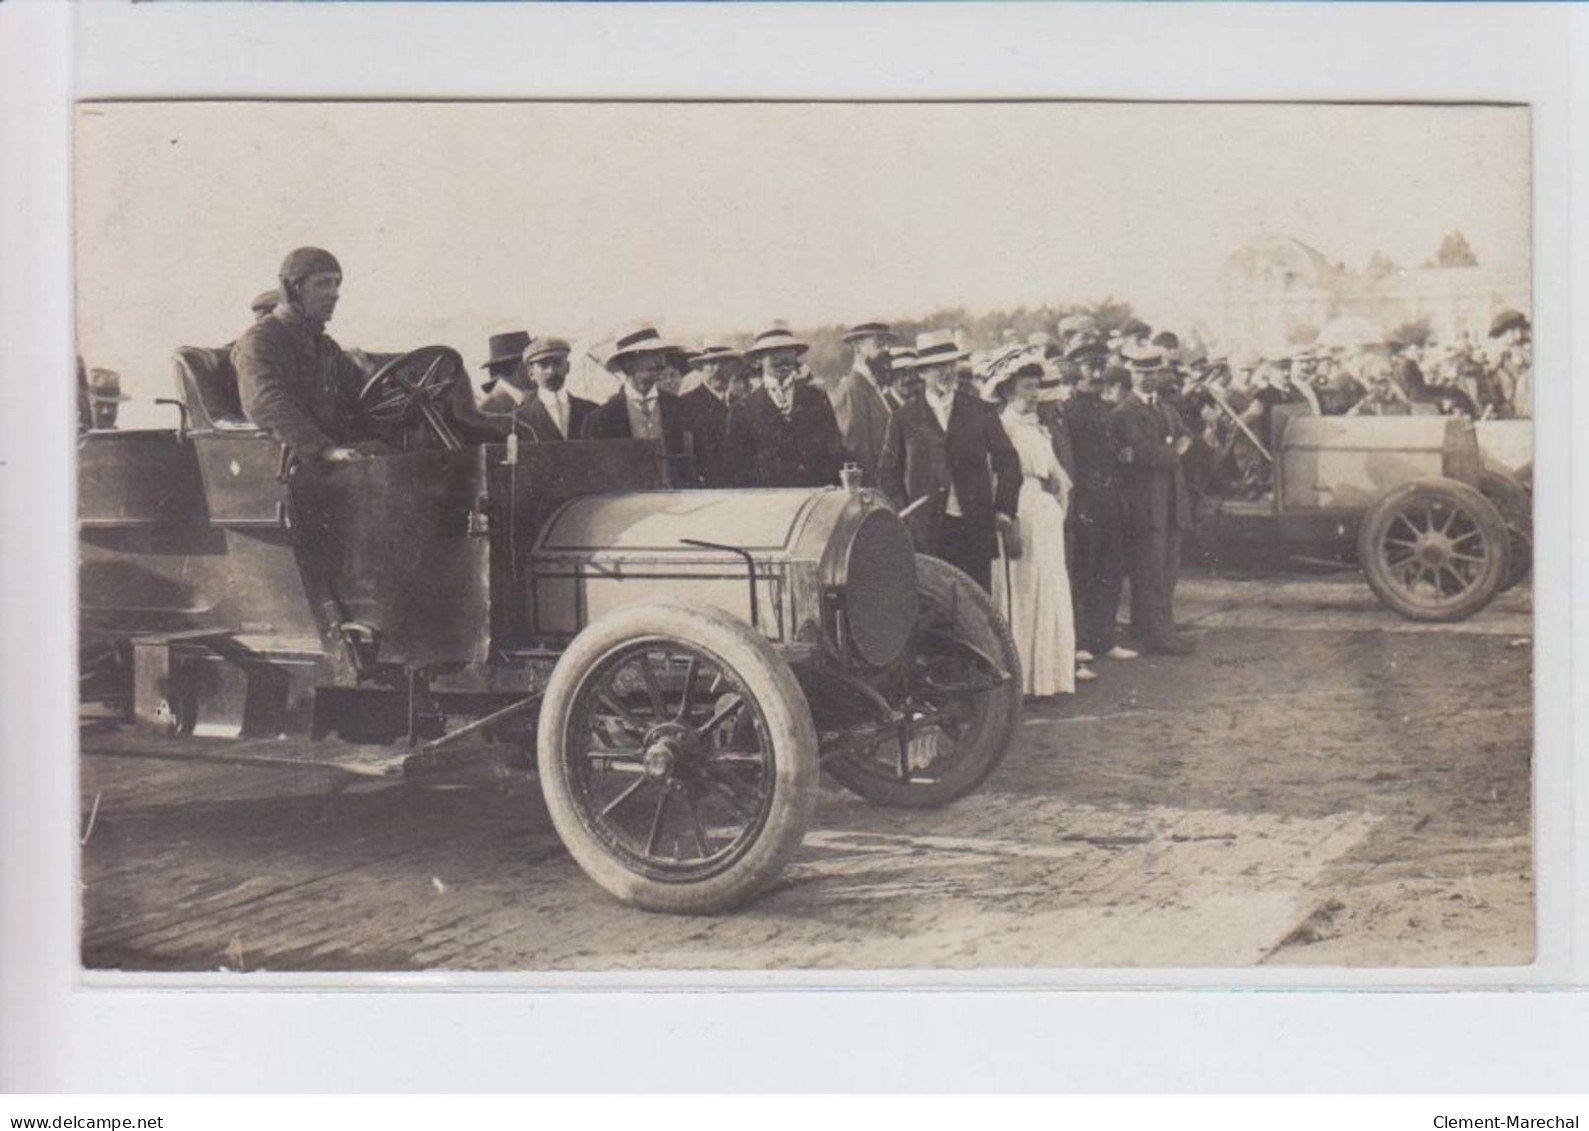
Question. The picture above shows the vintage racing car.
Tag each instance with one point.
(1437, 530)
(679, 664)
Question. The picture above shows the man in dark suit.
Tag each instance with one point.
(706, 408)
(544, 412)
(1097, 527)
(947, 461)
(784, 434)
(640, 410)
(859, 402)
(1150, 439)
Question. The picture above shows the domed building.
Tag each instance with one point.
(1273, 287)
(1276, 292)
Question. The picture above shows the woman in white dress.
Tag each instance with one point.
(1032, 588)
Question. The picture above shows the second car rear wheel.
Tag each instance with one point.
(677, 756)
(1434, 550)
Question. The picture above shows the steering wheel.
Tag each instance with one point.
(414, 384)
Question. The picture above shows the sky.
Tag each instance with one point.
(453, 221)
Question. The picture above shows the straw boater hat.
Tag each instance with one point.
(714, 351)
(506, 347)
(775, 338)
(546, 347)
(105, 385)
(639, 340)
(870, 330)
(1146, 359)
(937, 347)
(900, 357)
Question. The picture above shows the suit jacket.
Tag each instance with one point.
(1087, 422)
(920, 461)
(531, 419)
(863, 415)
(1145, 437)
(764, 448)
(1052, 416)
(706, 420)
(610, 421)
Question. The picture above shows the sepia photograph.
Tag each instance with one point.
(527, 537)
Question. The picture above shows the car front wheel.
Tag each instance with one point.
(677, 757)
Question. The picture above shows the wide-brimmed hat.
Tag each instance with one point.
(638, 340)
(775, 338)
(714, 351)
(870, 330)
(1147, 359)
(105, 385)
(936, 347)
(546, 347)
(506, 347)
(1019, 366)
(1507, 319)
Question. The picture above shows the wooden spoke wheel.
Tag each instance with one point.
(1435, 550)
(959, 688)
(678, 757)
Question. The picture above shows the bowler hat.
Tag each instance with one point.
(870, 330)
(1135, 327)
(546, 347)
(1167, 340)
(507, 347)
(105, 385)
(305, 261)
(775, 338)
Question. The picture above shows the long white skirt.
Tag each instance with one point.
(1036, 598)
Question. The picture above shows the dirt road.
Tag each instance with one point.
(1321, 784)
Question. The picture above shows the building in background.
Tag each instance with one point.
(1277, 292)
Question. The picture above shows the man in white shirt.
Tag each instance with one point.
(640, 410)
(552, 414)
(947, 461)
